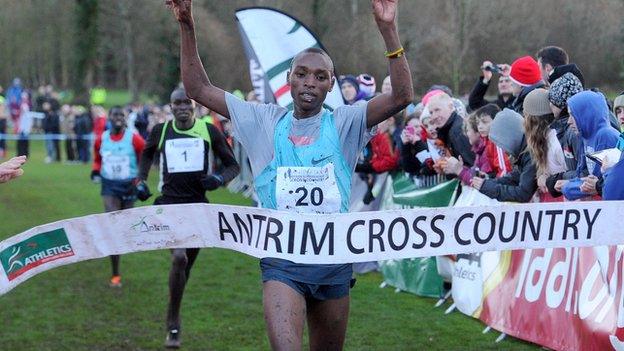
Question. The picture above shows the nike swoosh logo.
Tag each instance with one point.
(316, 162)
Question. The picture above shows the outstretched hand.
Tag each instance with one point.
(385, 10)
(12, 168)
(181, 10)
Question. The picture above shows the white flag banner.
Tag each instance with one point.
(271, 39)
(311, 238)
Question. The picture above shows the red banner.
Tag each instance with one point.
(564, 299)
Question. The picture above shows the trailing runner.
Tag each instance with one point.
(187, 148)
(303, 161)
(115, 165)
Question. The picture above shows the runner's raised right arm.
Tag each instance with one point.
(196, 82)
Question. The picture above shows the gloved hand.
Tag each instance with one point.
(142, 190)
(96, 177)
(212, 181)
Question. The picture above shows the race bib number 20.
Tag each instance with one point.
(307, 189)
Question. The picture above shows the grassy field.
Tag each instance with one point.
(72, 307)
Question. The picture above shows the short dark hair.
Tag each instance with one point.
(553, 55)
(314, 50)
(116, 107)
(489, 110)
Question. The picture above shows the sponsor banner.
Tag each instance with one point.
(334, 238)
(563, 298)
(271, 40)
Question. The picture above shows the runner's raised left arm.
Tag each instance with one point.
(386, 105)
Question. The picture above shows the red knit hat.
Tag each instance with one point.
(525, 71)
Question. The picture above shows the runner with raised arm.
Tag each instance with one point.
(302, 161)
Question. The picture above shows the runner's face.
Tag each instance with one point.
(310, 81)
(181, 107)
(117, 118)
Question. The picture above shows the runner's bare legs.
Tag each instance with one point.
(284, 313)
(327, 323)
(113, 203)
(181, 263)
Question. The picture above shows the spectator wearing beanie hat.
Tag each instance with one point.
(507, 132)
(560, 91)
(542, 141)
(618, 110)
(367, 85)
(525, 77)
(350, 89)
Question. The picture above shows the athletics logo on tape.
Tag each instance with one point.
(35, 251)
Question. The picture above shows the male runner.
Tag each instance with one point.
(318, 146)
(115, 164)
(187, 147)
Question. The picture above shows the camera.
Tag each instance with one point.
(494, 68)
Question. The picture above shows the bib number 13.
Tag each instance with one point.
(314, 196)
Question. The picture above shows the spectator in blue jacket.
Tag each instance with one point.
(589, 115)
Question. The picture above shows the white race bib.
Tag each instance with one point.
(184, 155)
(307, 189)
(116, 167)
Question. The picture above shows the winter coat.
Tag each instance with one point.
(613, 188)
(517, 103)
(591, 114)
(559, 71)
(385, 156)
(452, 135)
(476, 99)
(519, 185)
(416, 159)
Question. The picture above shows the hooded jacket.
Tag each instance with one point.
(591, 114)
(507, 132)
(613, 188)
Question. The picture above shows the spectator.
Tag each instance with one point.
(560, 91)
(455, 166)
(553, 63)
(519, 185)
(367, 86)
(589, 115)
(385, 155)
(24, 126)
(450, 127)
(542, 141)
(386, 86)
(505, 98)
(497, 158)
(83, 128)
(490, 160)
(525, 77)
(68, 121)
(52, 129)
(618, 110)
(613, 188)
(415, 156)
(350, 89)
(14, 102)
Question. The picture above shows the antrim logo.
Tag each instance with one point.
(35, 251)
(143, 227)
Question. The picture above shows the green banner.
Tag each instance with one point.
(418, 275)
